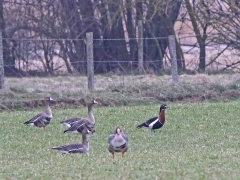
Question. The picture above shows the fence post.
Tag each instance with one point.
(2, 86)
(140, 47)
(90, 64)
(173, 55)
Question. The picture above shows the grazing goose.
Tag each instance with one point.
(155, 122)
(44, 118)
(76, 125)
(118, 142)
(76, 148)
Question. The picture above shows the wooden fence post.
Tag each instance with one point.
(90, 64)
(140, 47)
(2, 85)
(173, 55)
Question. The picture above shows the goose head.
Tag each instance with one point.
(94, 101)
(88, 131)
(118, 130)
(48, 99)
(163, 107)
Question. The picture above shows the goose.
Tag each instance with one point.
(76, 147)
(118, 142)
(77, 124)
(155, 122)
(42, 119)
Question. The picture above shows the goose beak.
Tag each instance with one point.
(90, 132)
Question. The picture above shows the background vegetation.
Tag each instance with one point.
(46, 36)
(113, 90)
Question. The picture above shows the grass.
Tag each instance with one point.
(113, 90)
(198, 141)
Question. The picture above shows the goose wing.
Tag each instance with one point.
(38, 117)
(124, 136)
(77, 126)
(71, 148)
(151, 120)
(110, 138)
(71, 121)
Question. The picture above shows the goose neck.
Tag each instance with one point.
(161, 116)
(48, 109)
(90, 113)
(84, 138)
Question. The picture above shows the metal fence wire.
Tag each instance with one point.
(66, 56)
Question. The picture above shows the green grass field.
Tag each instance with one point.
(198, 141)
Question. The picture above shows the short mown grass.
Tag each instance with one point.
(198, 141)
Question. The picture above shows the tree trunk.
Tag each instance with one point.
(202, 57)
(76, 49)
(8, 52)
(114, 49)
(159, 23)
(131, 29)
(200, 39)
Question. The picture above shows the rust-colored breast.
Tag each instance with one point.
(161, 116)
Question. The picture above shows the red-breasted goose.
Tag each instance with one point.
(76, 147)
(42, 119)
(155, 122)
(118, 142)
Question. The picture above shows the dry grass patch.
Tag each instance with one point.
(111, 90)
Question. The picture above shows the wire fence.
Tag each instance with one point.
(28, 57)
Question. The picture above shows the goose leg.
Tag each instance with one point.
(122, 155)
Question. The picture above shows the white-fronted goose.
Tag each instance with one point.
(76, 147)
(41, 120)
(118, 142)
(155, 122)
(77, 124)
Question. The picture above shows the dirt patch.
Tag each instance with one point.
(59, 104)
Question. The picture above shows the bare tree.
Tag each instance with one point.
(113, 24)
(2, 86)
(227, 26)
(214, 23)
(200, 17)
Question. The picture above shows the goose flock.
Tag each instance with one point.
(117, 142)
